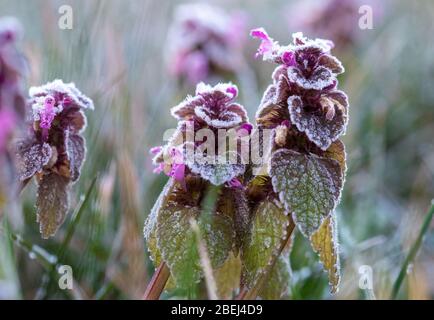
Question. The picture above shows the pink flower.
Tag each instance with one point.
(156, 150)
(171, 162)
(235, 183)
(267, 46)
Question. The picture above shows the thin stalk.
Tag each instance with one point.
(157, 283)
(246, 294)
(412, 253)
(205, 262)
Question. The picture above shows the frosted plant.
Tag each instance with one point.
(213, 109)
(204, 41)
(252, 217)
(307, 164)
(12, 101)
(167, 230)
(53, 149)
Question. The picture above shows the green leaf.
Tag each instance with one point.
(177, 241)
(228, 277)
(268, 230)
(150, 227)
(325, 242)
(309, 186)
(277, 284)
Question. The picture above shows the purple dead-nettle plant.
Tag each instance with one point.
(12, 102)
(200, 163)
(306, 167)
(298, 181)
(204, 42)
(53, 149)
(199, 144)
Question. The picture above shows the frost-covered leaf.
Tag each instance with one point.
(52, 203)
(272, 110)
(76, 151)
(267, 231)
(74, 120)
(325, 243)
(317, 127)
(31, 157)
(150, 229)
(320, 78)
(331, 63)
(308, 186)
(218, 173)
(277, 285)
(227, 277)
(177, 242)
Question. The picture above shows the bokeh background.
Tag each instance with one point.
(118, 54)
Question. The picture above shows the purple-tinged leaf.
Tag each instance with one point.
(52, 203)
(76, 152)
(331, 63)
(315, 124)
(31, 157)
(320, 78)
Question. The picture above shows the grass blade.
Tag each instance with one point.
(413, 251)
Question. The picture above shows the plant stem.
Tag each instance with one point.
(246, 294)
(412, 253)
(157, 283)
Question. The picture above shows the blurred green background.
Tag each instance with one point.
(115, 54)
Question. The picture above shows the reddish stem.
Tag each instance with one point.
(157, 283)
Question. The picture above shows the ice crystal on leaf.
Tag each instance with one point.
(268, 230)
(308, 186)
(319, 128)
(53, 149)
(325, 242)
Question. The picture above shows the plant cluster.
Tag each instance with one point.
(245, 220)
